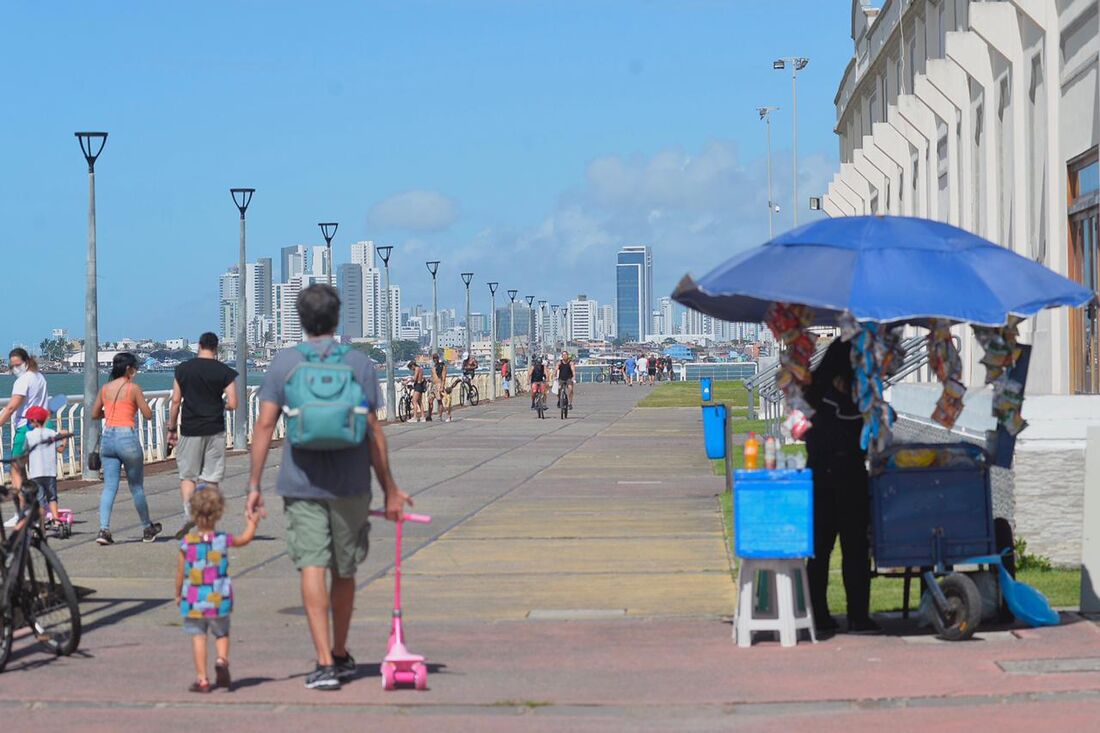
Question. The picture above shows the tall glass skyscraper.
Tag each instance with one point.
(633, 292)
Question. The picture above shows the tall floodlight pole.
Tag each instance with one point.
(565, 328)
(391, 388)
(542, 325)
(798, 63)
(466, 278)
(512, 329)
(91, 144)
(552, 337)
(493, 340)
(530, 327)
(766, 115)
(433, 267)
(328, 231)
(242, 197)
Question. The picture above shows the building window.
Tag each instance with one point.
(1084, 267)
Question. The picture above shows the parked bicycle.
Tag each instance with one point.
(405, 402)
(468, 395)
(35, 590)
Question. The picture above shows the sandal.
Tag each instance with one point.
(221, 674)
(202, 685)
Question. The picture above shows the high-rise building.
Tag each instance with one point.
(605, 322)
(287, 327)
(318, 264)
(294, 261)
(633, 291)
(362, 253)
(349, 283)
(394, 311)
(504, 318)
(668, 325)
(478, 325)
(228, 288)
(582, 319)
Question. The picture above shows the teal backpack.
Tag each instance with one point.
(325, 408)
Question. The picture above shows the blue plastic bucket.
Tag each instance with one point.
(714, 430)
(705, 388)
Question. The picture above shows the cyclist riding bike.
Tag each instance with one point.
(537, 375)
(566, 376)
(469, 366)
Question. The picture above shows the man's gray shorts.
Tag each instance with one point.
(201, 458)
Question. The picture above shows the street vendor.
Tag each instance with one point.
(841, 492)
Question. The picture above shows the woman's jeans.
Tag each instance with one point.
(120, 447)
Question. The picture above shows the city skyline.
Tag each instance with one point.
(651, 146)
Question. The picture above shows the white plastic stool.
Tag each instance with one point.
(782, 617)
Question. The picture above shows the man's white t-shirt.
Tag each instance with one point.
(32, 386)
(642, 365)
(42, 458)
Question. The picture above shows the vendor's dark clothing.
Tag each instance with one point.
(841, 493)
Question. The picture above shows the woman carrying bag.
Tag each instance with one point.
(119, 401)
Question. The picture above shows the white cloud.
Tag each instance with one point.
(416, 211)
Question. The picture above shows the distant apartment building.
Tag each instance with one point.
(605, 322)
(349, 283)
(294, 260)
(229, 283)
(633, 292)
(582, 319)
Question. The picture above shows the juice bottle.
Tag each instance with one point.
(752, 452)
(771, 449)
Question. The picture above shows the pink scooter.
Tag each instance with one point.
(401, 667)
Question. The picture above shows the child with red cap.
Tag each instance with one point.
(42, 462)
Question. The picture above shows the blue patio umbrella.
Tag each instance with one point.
(886, 269)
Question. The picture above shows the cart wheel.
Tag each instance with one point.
(388, 680)
(964, 603)
(420, 672)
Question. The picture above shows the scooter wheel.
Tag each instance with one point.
(389, 681)
(421, 673)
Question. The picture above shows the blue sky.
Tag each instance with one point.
(523, 141)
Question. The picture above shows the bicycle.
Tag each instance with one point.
(35, 590)
(404, 403)
(469, 394)
(540, 402)
(563, 399)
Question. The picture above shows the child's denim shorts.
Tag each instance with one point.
(216, 625)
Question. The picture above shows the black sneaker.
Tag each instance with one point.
(149, 534)
(323, 678)
(182, 531)
(104, 537)
(863, 626)
(345, 667)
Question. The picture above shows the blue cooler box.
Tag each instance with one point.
(773, 513)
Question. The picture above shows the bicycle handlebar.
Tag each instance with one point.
(419, 518)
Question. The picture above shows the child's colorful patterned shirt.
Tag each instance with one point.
(207, 589)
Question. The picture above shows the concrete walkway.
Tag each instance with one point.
(574, 578)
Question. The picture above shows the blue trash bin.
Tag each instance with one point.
(705, 388)
(714, 430)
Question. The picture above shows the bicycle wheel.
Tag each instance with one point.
(600, 377)
(7, 617)
(474, 396)
(404, 408)
(50, 601)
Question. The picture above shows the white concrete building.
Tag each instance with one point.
(984, 114)
(582, 319)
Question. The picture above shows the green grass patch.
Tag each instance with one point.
(1062, 587)
(686, 394)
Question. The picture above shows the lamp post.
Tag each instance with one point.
(433, 267)
(766, 115)
(565, 329)
(242, 197)
(512, 330)
(328, 231)
(542, 324)
(391, 389)
(530, 327)
(466, 278)
(555, 323)
(91, 144)
(493, 340)
(798, 63)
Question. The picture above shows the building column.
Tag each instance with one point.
(840, 196)
(971, 53)
(831, 209)
(945, 111)
(923, 122)
(874, 176)
(951, 82)
(894, 146)
(888, 168)
(855, 181)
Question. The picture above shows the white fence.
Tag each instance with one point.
(152, 432)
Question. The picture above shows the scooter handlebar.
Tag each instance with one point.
(407, 517)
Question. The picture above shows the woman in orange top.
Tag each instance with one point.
(119, 401)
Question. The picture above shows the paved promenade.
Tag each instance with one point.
(574, 577)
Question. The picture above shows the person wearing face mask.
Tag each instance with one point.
(119, 401)
(29, 391)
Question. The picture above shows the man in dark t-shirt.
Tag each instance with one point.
(206, 387)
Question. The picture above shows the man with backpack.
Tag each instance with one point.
(328, 394)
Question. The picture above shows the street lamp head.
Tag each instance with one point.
(328, 230)
(384, 253)
(242, 197)
(91, 144)
(779, 64)
(542, 303)
(800, 63)
(493, 288)
(530, 299)
(433, 267)
(512, 294)
(467, 277)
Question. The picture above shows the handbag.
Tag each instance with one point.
(94, 461)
